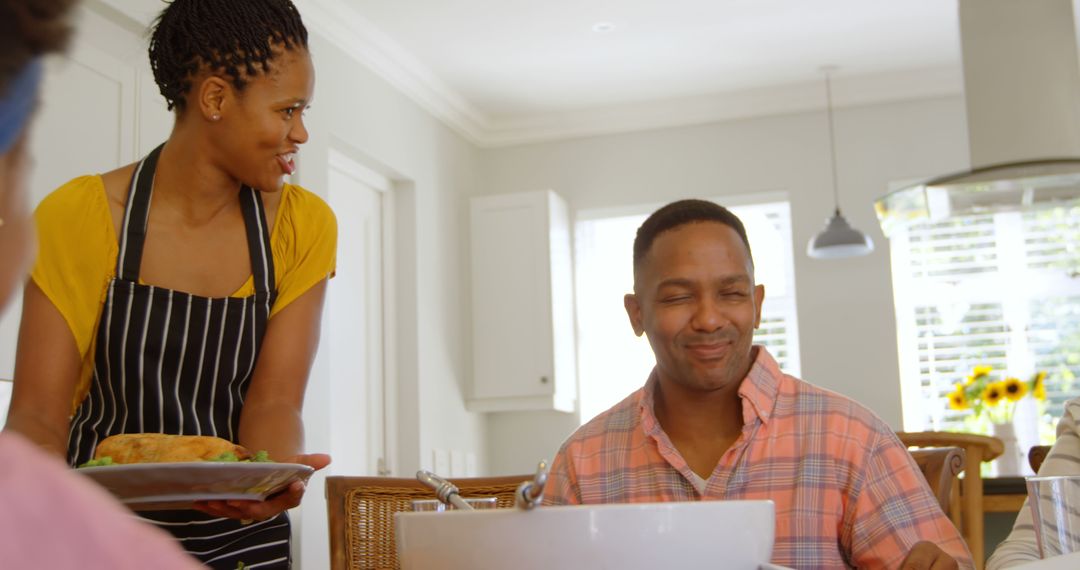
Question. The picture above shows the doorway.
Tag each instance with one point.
(355, 320)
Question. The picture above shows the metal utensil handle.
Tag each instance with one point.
(530, 493)
(459, 503)
(446, 491)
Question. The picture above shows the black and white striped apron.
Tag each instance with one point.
(171, 362)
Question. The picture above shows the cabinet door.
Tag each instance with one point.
(512, 350)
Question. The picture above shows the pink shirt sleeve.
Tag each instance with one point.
(894, 509)
(53, 517)
(561, 487)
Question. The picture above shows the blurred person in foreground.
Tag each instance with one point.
(1020, 547)
(50, 517)
(718, 420)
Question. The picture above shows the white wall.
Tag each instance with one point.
(847, 325)
(432, 169)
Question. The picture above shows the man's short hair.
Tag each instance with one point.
(681, 213)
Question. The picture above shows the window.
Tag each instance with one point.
(612, 362)
(997, 289)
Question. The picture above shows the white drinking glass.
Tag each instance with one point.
(435, 505)
(428, 505)
(1055, 512)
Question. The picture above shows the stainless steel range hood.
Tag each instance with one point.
(1022, 90)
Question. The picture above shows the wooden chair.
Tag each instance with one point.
(940, 467)
(965, 510)
(361, 513)
(1036, 455)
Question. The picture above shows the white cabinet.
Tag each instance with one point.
(522, 304)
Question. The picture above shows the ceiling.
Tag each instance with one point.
(510, 58)
(528, 63)
(512, 71)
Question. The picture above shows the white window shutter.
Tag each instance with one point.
(996, 289)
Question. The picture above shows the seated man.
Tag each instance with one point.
(717, 419)
(1064, 459)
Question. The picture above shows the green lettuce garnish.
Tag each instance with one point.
(99, 462)
(259, 457)
(227, 457)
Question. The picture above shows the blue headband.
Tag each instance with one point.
(17, 105)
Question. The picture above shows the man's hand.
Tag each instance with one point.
(248, 511)
(927, 556)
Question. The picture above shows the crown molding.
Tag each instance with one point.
(350, 31)
(135, 15)
(347, 29)
(852, 91)
(360, 39)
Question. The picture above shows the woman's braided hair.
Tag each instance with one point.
(28, 29)
(237, 38)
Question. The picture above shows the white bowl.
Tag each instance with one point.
(737, 535)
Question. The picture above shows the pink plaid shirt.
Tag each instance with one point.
(847, 492)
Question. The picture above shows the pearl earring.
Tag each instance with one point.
(215, 117)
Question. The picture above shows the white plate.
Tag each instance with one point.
(159, 486)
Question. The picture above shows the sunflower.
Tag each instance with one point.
(993, 393)
(1015, 389)
(1038, 387)
(958, 399)
(980, 371)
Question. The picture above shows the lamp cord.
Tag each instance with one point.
(832, 143)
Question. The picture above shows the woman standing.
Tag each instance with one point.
(182, 294)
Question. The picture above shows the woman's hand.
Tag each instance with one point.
(273, 505)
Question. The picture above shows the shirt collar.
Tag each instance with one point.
(645, 405)
(758, 390)
(760, 387)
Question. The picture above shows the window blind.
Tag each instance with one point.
(996, 289)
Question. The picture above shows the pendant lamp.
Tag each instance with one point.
(838, 239)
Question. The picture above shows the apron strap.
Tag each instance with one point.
(258, 237)
(136, 212)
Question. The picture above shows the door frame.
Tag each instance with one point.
(339, 158)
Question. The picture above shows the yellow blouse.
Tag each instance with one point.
(77, 249)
